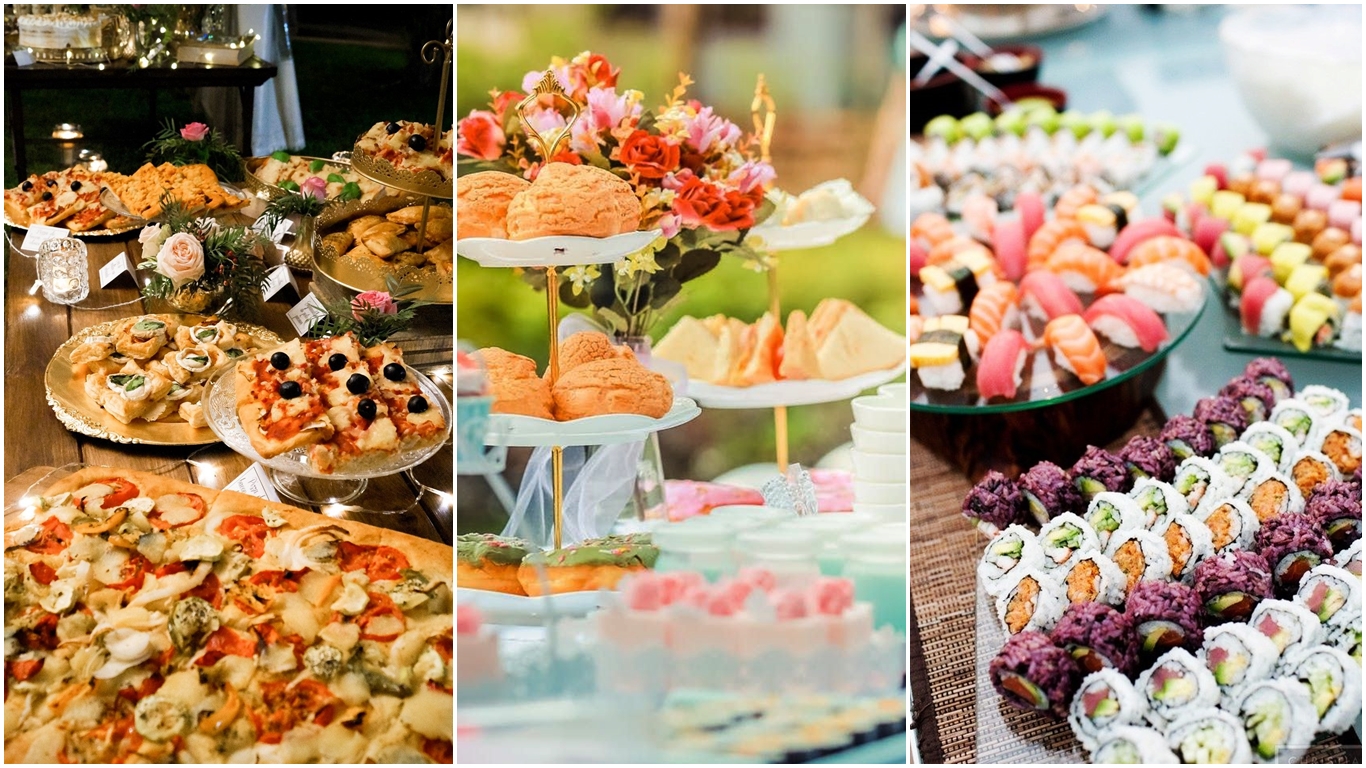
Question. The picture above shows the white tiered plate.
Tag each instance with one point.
(521, 610)
(808, 234)
(788, 393)
(557, 251)
(529, 431)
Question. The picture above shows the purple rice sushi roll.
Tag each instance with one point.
(1148, 457)
(1229, 586)
(1292, 545)
(1256, 397)
(1272, 373)
(1031, 672)
(1099, 470)
(1336, 506)
(1097, 636)
(995, 503)
(1049, 492)
(1187, 437)
(1224, 416)
(1165, 615)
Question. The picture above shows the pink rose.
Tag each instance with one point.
(377, 300)
(832, 597)
(314, 186)
(480, 135)
(789, 605)
(194, 132)
(467, 620)
(181, 259)
(670, 224)
(751, 175)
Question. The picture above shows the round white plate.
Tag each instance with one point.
(558, 251)
(521, 610)
(808, 234)
(779, 393)
(529, 431)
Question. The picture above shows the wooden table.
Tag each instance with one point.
(35, 327)
(128, 75)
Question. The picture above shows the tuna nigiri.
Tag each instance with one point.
(1031, 209)
(979, 214)
(931, 229)
(1044, 295)
(1049, 236)
(1008, 240)
(916, 257)
(1075, 348)
(1170, 249)
(1001, 368)
(1263, 306)
(1084, 269)
(1164, 287)
(994, 309)
(1137, 232)
(1127, 322)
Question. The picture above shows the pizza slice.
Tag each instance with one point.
(279, 403)
(417, 420)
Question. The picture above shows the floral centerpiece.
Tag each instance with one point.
(197, 262)
(692, 169)
(373, 316)
(193, 144)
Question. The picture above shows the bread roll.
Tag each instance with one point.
(578, 200)
(481, 203)
(611, 386)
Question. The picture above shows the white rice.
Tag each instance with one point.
(1244, 463)
(1274, 311)
(1296, 417)
(1326, 402)
(1157, 564)
(1349, 337)
(1274, 441)
(1344, 584)
(1296, 627)
(1115, 330)
(1109, 590)
(949, 376)
(1345, 463)
(1071, 526)
(1252, 656)
(1130, 711)
(942, 302)
(1293, 502)
(1346, 557)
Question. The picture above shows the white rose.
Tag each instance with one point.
(181, 259)
(149, 232)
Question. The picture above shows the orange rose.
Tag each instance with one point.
(505, 100)
(648, 156)
(699, 203)
(600, 71)
(480, 135)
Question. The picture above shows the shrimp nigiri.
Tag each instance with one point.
(979, 214)
(1164, 287)
(1075, 348)
(993, 310)
(1083, 268)
(1072, 200)
(1048, 237)
(931, 229)
(947, 249)
(1166, 248)
(1137, 232)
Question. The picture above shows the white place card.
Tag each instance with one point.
(118, 266)
(22, 57)
(285, 227)
(276, 280)
(41, 233)
(254, 482)
(307, 312)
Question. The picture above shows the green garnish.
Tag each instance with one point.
(335, 178)
(351, 191)
(289, 185)
(207, 333)
(119, 379)
(282, 156)
(148, 326)
(316, 165)
(129, 382)
(234, 352)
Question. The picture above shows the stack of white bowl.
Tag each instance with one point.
(881, 463)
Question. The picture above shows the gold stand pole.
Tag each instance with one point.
(765, 114)
(552, 311)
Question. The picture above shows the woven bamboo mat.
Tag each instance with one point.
(959, 718)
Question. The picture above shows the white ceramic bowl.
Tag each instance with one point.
(879, 467)
(880, 413)
(867, 492)
(887, 513)
(898, 391)
(871, 441)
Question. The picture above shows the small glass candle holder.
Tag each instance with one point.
(63, 270)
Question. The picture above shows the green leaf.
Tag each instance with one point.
(282, 156)
(316, 165)
(668, 256)
(567, 297)
(603, 291)
(664, 289)
(696, 263)
(288, 185)
(335, 178)
(351, 191)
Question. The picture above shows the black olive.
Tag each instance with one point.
(280, 360)
(337, 361)
(392, 128)
(75, 186)
(366, 409)
(358, 384)
(50, 182)
(26, 186)
(417, 142)
(417, 404)
(395, 372)
(290, 389)
(47, 195)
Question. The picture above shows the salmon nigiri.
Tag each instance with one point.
(1083, 268)
(1075, 348)
(1001, 367)
(1167, 248)
(1048, 237)
(931, 229)
(947, 249)
(1127, 322)
(993, 309)
(1072, 200)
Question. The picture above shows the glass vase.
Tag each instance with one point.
(196, 301)
(647, 499)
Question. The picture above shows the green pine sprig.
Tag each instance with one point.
(373, 326)
(232, 260)
(168, 146)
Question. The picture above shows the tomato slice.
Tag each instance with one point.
(133, 572)
(23, 670)
(386, 564)
(42, 573)
(209, 590)
(123, 491)
(43, 634)
(380, 606)
(170, 568)
(194, 500)
(279, 581)
(353, 557)
(226, 642)
(248, 530)
(54, 536)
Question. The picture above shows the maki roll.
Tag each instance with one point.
(1310, 469)
(1296, 417)
(1349, 560)
(1110, 512)
(1097, 637)
(1031, 672)
(1132, 745)
(1243, 463)
(1273, 495)
(1289, 626)
(1175, 684)
(1030, 601)
(1141, 555)
(1326, 402)
(1273, 373)
(1256, 398)
(1271, 439)
(1224, 416)
(1104, 700)
(1331, 593)
(1202, 482)
(1158, 501)
(1336, 507)
(1049, 492)
(1209, 735)
(1165, 615)
(1001, 369)
(1264, 306)
(1342, 445)
(1347, 638)
(1292, 545)
(1333, 681)
(1277, 717)
(1236, 654)
(1063, 537)
(1091, 577)
(1099, 470)
(1231, 522)
(1012, 549)
(1314, 322)
(1187, 437)
(994, 504)
(1188, 543)
(1148, 457)
(1231, 585)
(944, 352)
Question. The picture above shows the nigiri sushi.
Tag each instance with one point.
(994, 309)
(949, 289)
(1177, 250)
(916, 257)
(1164, 287)
(1075, 348)
(1048, 237)
(1102, 223)
(931, 229)
(1264, 306)
(1001, 369)
(1127, 322)
(1206, 236)
(947, 249)
(1071, 201)
(1044, 295)
(1084, 269)
(979, 214)
(1137, 232)
(1031, 209)
(944, 352)
(915, 326)
(1314, 322)
(1008, 241)
(1342, 259)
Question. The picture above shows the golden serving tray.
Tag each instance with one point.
(332, 214)
(426, 183)
(87, 233)
(78, 413)
(365, 275)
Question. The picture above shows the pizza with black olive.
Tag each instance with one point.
(151, 620)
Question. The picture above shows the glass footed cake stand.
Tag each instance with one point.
(291, 473)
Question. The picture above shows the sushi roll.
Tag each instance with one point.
(1224, 416)
(994, 310)
(1296, 417)
(944, 352)
(1001, 369)
(1091, 577)
(1012, 549)
(1273, 373)
(1245, 269)
(1309, 469)
(1109, 512)
(1257, 398)
(1187, 437)
(1277, 717)
(1165, 288)
(1208, 735)
(1202, 482)
(1189, 542)
(1332, 679)
(1288, 625)
(1275, 494)
(1273, 440)
(1292, 545)
(1099, 470)
(1231, 522)
(1237, 655)
(1231, 585)
(1244, 463)
(1306, 279)
(1030, 600)
(1105, 700)
(1264, 307)
(1142, 555)
(1331, 593)
(1314, 322)
(994, 504)
(1044, 296)
(1326, 402)
(1133, 745)
(1175, 684)
(1136, 233)
(1225, 203)
(1342, 445)
(1075, 348)
(1347, 638)
(1032, 673)
(1148, 458)
(1097, 637)
(1063, 537)
(1127, 322)
(1165, 615)
(1349, 559)
(1336, 507)
(1049, 492)
(1208, 234)
(1158, 501)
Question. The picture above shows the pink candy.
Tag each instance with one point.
(789, 605)
(1321, 196)
(644, 591)
(468, 620)
(1298, 183)
(832, 597)
(724, 602)
(1274, 169)
(1219, 172)
(677, 585)
(1341, 213)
